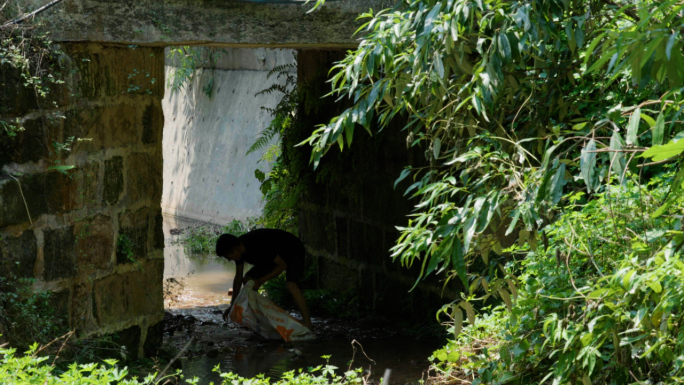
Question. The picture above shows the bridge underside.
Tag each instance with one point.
(203, 22)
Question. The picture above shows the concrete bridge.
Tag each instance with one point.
(205, 22)
(94, 237)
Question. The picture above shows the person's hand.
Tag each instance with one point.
(226, 313)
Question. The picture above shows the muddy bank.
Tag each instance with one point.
(215, 342)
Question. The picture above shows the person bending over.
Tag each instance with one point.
(270, 251)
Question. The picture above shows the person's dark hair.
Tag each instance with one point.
(226, 244)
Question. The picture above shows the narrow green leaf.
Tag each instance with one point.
(658, 130)
(436, 147)
(404, 173)
(596, 294)
(439, 66)
(504, 47)
(590, 50)
(588, 164)
(557, 184)
(469, 231)
(617, 158)
(458, 261)
(651, 122)
(457, 316)
(633, 127)
(670, 43)
(511, 227)
(454, 29)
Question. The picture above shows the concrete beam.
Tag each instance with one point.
(221, 23)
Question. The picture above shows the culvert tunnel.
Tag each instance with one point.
(93, 236)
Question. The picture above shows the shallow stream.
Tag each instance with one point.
(194, 319)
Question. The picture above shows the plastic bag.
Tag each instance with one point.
(266, 318)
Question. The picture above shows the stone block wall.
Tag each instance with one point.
(93, 234)
(350, 209)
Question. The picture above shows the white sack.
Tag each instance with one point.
(266, 318)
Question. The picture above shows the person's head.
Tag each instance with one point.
(228, 246)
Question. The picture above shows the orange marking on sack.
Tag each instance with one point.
(236, 314)
(285, 333)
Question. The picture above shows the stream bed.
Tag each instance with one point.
(197, 295)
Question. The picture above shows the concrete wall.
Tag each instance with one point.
(67, 241)
(208, 175)
(224, 23)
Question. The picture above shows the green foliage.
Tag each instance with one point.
(27, 316)
(286, 108)
(601, 304)
(27, 58)
(125, 246)
(504, 97)
(520, 108)
(139, 80)
(320, 302)
(319, 375)
(188, 60)
(201, 239)
(281, 186)
(31, 368)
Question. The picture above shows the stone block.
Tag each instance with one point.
(87, 183)
(59, 253)
(158, 231)
(357, 247)
(154, 339)
(116, 70)
(152, 123)
(121, 297)
(130, 339)
(116, 125)
(113, 180)
(334, 276)
(303, 225)
(342, 231)
(12, 207)
(15, 98)
(59, 302)
(79, 122)
(82, 307)
(382, 204)
(374, 246)
(29, 145)
(18, 255)
(94, 243)
(143, 173)
(132, 242)
(316, 193)
(45, 193)
(321, 231)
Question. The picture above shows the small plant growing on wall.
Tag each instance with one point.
(125, 249)
(30, 60)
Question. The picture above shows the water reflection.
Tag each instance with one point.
(202, 280)
(406, 358)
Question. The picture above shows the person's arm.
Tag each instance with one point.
(279, 267)
(237, 284)
(237, 281)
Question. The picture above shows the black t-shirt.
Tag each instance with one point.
(263, 245)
